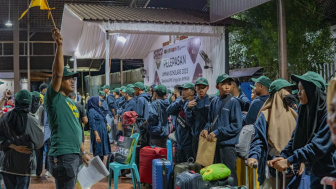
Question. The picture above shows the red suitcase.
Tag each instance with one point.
(147, 154)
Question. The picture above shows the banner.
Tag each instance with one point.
(178, 64)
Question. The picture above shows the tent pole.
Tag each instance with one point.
(121, 73)
(75, 70)
(107, 59)
(82, 83)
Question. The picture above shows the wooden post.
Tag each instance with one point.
(16, 52)
(121, 73)
(282, 40)
(28, 48)
(226, 51)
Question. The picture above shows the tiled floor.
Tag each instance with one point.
(48, 183)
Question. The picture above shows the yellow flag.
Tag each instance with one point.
(43, 4)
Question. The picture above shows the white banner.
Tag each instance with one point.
(178, 64)
(181, 62)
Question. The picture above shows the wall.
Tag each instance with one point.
(96, 82)
(9, 84)
(158, 43)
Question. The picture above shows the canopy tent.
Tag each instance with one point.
(90, 30)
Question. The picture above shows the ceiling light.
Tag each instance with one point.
(9, 23)
(121, 39)
(72, 59)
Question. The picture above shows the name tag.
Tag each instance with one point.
(121, 139)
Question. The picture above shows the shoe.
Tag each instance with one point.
(47, 174)
(129, 175)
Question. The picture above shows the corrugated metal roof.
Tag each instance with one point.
(246, 72)
(130, 14)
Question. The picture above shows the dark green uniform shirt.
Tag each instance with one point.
(66, 133)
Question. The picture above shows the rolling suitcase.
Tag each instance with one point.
(147, 155)
(162, 168)
(186, 166)
(188, 180)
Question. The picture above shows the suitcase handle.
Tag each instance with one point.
(255, 166)
(283, 179)
(192, 160)
(192, 172)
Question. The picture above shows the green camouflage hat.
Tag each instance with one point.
(263, 80)
(101, 93)
(202, 81)
(147, 88)
(160, 89)
(222, 78)
(122, 88)
(139, 85)
(278, 85)
(68, 72)
(252, 86)
(129, 91)
(187, 86)
(129, 86)
(116, 90)
(106, 87)
(23, 97)
(312, 77)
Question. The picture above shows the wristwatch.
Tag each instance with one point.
(84, 152)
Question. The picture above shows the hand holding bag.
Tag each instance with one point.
(206, 149)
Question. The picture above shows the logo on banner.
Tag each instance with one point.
(194, 45)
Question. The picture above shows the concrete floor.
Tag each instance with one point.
(48, 183)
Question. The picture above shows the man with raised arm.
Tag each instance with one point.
(66, 135)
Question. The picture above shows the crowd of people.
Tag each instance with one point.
(291, 126)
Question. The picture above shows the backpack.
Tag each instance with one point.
(245, 138)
